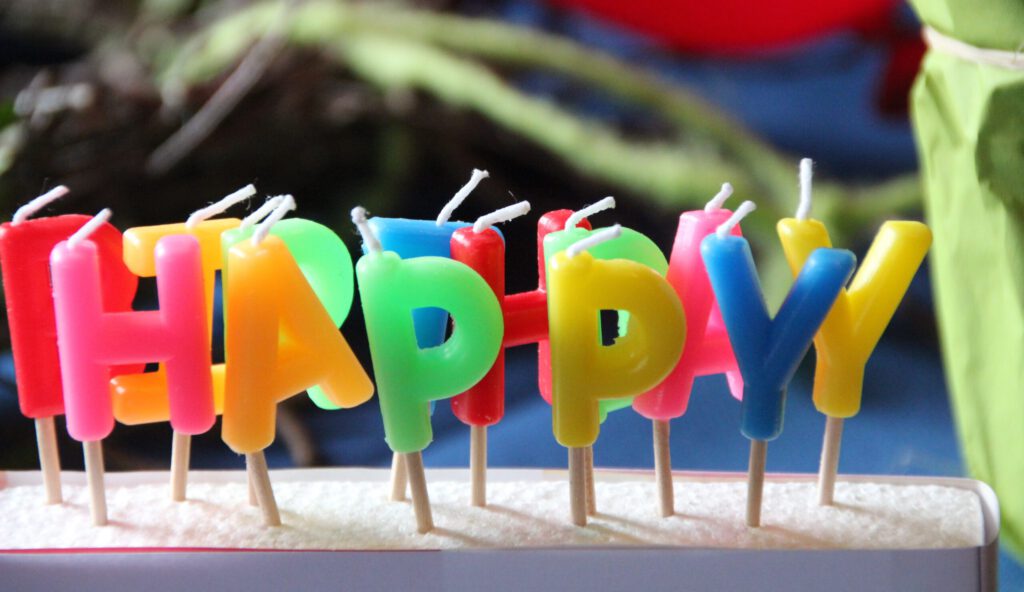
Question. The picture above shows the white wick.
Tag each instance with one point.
(369, 238)
(461, 195)
(725, 227)
(503, 215)
(88, 228)
(803, 209)
(594, 239)
(720, 198)
(262, 212)
(219, 207)
(28, 210)
(287, 204)
(600, 206)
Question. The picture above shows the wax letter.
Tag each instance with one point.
(583, 370)
(408, 377)
(280, 340)
(91, 340)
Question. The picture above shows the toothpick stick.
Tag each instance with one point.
(94, 478)
(478, 464)
(755, 481)
(577, 485)
(663, 468)
(418, 488)
(252, 488)
(49, 460)
(264, 491)
(588, 478)
(181, 447)
(829, 460)
(399, 477)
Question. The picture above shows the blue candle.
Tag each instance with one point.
(769, 350)
(419, 238)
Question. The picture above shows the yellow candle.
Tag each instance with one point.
(142, 398)
(279, 341)
(856, 322)
(583, 370)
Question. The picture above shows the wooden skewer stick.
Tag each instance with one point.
(478, 464)
(755, 481)
(181, 448)
(588, 477)
(577, 485)
(49, 459)
(94, 477)
(418, 488)
(399, 477)
(663, 468)
(829, 460)
(252, 488)
(257, 463)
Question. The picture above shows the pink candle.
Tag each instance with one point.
(91, 340)
(707, 349)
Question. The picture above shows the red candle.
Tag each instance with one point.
(484, 252)
(25, 257)
(548, 223)
(525, 315)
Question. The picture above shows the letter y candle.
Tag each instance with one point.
(768, 350)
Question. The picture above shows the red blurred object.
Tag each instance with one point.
(733, 27)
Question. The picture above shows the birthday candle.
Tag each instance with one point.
(142, 397)
(25, 246)
(325, 263)
(482, 249)
(408, 376)
(707, 349)
(91, 340)
(630, 245)
(768, 350)
(852, 329)
(279, 341)
(583, 370)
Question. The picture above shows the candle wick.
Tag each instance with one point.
(594, 239)
(741, 212)
(262, 212)
(369, 238)
(598, 206)
(287, 204)
(89, 228)
(720, 198)
(461, 195)
(803, 209)
(220, 207)
(28, 210)
(503, 215)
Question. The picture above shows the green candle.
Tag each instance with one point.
(409, 377)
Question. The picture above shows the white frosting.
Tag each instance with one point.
(355, 514)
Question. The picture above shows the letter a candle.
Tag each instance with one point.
(584, 371)
(707, 350)
(91, 340)
(143, 397)
(410, 377)
(768, 350)
(279, 341)
(858, 318)
(482, 249)
(25, 246)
